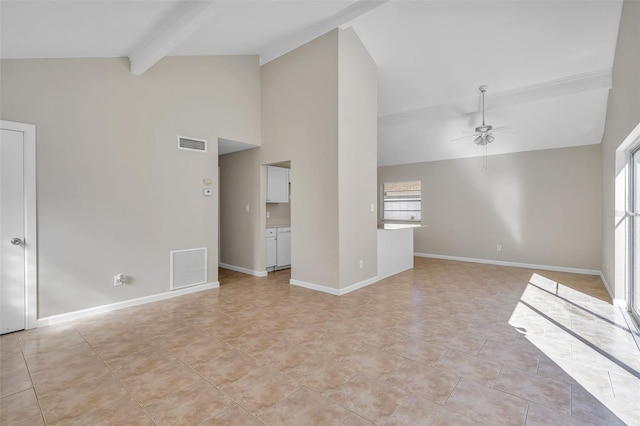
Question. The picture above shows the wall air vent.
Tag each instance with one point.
(192, 144)
(188, 267)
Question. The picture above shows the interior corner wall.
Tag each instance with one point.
(357, 158)
(241, 236)
(114, 193)
(623, 115)
(543, 207)
(300, 124)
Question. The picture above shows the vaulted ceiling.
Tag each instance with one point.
(547, 63)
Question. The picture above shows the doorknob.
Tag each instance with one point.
(16, 241)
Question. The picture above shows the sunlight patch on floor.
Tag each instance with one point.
(586, 342)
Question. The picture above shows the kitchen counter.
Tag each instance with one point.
(283, 225)
(395, 248)
(394, 226)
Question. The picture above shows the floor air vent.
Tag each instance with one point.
(188, 267)
(192, 144)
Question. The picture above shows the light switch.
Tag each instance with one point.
(246, 207)
(206, 181)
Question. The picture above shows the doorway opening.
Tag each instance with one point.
(240, 217)
(278, 216)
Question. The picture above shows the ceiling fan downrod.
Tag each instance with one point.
(484, 128)
(483, 89)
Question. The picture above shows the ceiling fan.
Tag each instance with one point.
(483, 132)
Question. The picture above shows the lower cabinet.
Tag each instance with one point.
(284, 248)
(272, 248)
(278, 248)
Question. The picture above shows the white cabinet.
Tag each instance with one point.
(278, 248)
(277, 185)
(284, 247)
(271, 248)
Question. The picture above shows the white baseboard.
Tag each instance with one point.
(243, 270)
(514, 264)
(334, 291)
(359, 285)
(316, 287)
(70, 316)
(397, 272)
(616, 302)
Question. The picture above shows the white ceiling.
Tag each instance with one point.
(547, 63)
(77, 29)
(249, 28)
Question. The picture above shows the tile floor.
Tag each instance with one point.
(447, 343)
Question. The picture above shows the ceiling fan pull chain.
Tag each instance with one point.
(484, 161)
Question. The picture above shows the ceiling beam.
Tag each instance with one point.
(602, 79)
(190, 16)
(290, 42)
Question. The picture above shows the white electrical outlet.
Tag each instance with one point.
(246, 207)
(268, 215)
(373, 208)
(499, 247)
(118, 279)
(361, 263)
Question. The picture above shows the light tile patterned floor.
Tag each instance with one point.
(447, 343)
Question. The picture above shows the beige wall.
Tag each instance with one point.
(300, 124)
(279, 214)
(241, 236)
(623, 114)
(543, 207)
(114, 192)
(358, 159)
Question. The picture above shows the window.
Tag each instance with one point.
(634, 227)
(402, 201)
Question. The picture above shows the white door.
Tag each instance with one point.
(12, 232)
(272, 251)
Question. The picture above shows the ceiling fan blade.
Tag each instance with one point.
(500, 128)
(465, 137)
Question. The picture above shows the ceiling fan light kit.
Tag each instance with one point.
(484, 139)
(483, 132)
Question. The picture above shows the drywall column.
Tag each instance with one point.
(309, 111)
(357, 161)
(300, 123)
